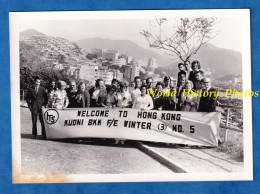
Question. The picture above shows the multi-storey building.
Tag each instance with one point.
(87, 72)
(119, 62)
(106, 54)
(131, 71)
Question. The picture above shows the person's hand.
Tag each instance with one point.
(160, 108)
(63, 108)
(142, 109)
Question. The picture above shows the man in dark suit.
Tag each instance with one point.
(36, 98)
(208, 103)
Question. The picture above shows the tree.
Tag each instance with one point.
(180, 38)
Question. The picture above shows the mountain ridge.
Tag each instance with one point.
(217, 60)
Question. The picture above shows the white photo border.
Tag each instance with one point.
(243, 15)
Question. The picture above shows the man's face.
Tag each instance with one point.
(112, 91)
(172, 83)
(138, 83)
(73, 85)
(182, 80)
(181, 68)
(187, 65)
(207, 85)
(149, 82)
(143, 91)
(198, 76)
(101, 84)
(159, 88)
(115, 83)
(82, 87)
(167, 83)
(37, 83)
(53, 84)
(188, 86)
(124, 89)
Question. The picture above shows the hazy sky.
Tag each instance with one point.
(229, 35)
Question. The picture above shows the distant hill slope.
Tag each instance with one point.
(29, 33)
(38, 50)
(219, 61)
(125, 47)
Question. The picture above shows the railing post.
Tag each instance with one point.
(227, 121)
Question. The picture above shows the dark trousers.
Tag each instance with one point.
(35, 114)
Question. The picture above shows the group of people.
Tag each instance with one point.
(121, 95)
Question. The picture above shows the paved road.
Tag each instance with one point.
(87, 157)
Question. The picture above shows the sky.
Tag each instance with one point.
(229, 30)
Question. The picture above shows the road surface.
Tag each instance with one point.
(87, 157)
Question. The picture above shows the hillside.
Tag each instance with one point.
(220, 61)
(125, 47)
(29, 33)
(38, 51)
(217, 60)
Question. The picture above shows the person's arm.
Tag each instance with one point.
(212, 104)
(116, 100)
(66, 101)
(87, 99)
(134, 104)
(103, 101)
(28, 99)
(45, 97)
(182, 101)
(149, 104)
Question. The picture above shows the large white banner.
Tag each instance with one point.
(191, 128)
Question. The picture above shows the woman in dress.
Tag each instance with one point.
(82, 97)
(143, 102)
(188, 103)
(110, 100)
(157, 100)
(124, 97)
(60, 99)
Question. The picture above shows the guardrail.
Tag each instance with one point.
(227, 118)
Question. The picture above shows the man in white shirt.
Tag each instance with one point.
(136, 92)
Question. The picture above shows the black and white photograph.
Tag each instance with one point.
(131, 96)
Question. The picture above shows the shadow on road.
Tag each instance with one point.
(30, 136)
(86, 141)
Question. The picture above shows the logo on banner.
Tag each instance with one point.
(51, 116)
